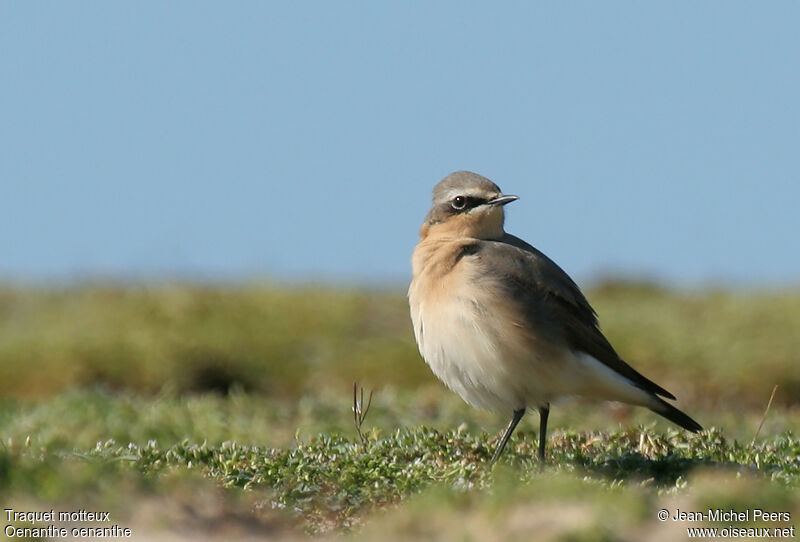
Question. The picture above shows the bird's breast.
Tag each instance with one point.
(465, 331)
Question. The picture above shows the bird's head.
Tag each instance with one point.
(466, 204)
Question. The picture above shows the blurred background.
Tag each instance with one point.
(259, 139)
(205, 197)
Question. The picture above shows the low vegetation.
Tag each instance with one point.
(227, 412)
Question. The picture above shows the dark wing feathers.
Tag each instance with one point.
(552, 298)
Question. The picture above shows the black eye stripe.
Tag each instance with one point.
(463, 203)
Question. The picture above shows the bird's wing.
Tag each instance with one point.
(549, 298)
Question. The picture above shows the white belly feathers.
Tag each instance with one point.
(466, 347)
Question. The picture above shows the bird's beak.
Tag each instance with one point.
(502, 200)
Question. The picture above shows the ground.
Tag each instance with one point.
(226, 412)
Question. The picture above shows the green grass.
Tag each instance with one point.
(225, 412)
(304, 463)
(713, 347)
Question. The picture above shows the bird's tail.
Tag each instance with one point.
(676, 416)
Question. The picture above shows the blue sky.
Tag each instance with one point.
(232, 140)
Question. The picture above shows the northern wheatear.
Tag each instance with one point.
(505, 327)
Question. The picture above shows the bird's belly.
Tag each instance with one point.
(472, 351)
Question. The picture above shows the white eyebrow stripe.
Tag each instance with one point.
(469, 192)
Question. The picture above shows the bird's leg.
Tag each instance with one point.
(544, 411)
(518, 414)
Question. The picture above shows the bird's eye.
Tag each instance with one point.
(459, 203)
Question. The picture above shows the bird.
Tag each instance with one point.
(504, 326)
